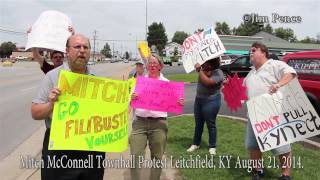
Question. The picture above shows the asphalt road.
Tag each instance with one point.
(18, 85)
(190, 92)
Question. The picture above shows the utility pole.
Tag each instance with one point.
(146, 18)
(136, 47)
(94, 43)
(112, 50)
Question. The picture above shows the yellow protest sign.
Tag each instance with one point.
(144, 49)
(91, 114)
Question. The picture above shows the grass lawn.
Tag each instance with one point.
(192, 77)
(230, 142)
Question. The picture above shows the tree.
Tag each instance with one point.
(157, 36)
(198, 30)
(175, 52)
(268, 29)
(126, 55)
(310, 40)
(248, 28)
(179, 37)
(6, 49)
(318, 38)
(306, 40)
(234, 30)
(286, 34)
(106, 51)
(222, 28)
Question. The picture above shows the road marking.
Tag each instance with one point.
(30, 88)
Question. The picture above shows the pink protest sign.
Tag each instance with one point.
(234, 92)
(158, 95)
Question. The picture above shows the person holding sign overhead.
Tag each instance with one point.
(207, 103)
(149, 127)
(55, 56)
(266, 76)
(78, 53)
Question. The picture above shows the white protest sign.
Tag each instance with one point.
(200, 47)
(50, 31)
(283, 118)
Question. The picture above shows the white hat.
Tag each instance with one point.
(140, 62)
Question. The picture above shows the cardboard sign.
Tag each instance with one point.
(283, 118)
(50, 31)
(158, 95)
(201, 47)
(91, 114)
(144, 49)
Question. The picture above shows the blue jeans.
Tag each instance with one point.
(206, 110)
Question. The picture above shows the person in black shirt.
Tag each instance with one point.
(56, 58)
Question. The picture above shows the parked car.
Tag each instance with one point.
(126, 61)
(91, 63)
(167, 60)
(225, 59)
(234, 56)
(7, 63)
(21, 57)
(241, 65)
(180, 62)
(307, 65)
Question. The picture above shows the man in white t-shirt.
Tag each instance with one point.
(266, 76)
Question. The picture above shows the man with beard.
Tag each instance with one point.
(78, 53)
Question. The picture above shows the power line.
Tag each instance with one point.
(8, 31)
(118, 40)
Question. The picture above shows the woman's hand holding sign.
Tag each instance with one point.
(181, 101)
(134, 96)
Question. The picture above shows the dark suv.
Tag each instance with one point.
(241, 65)
(307, 65)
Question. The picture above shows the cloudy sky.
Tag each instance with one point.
(126, 19)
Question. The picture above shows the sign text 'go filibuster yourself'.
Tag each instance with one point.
(158, 95)
(200, 47)
(283, 118)
(91, 114)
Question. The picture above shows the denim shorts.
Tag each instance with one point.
(252, 144)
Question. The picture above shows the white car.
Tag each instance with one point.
(225, 59)
(91, 63)
(21, 57)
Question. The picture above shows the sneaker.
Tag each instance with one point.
(284, 177)
(212, 151)
(257, 174)
(193, 148)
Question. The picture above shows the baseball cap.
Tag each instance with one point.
(140, 62)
